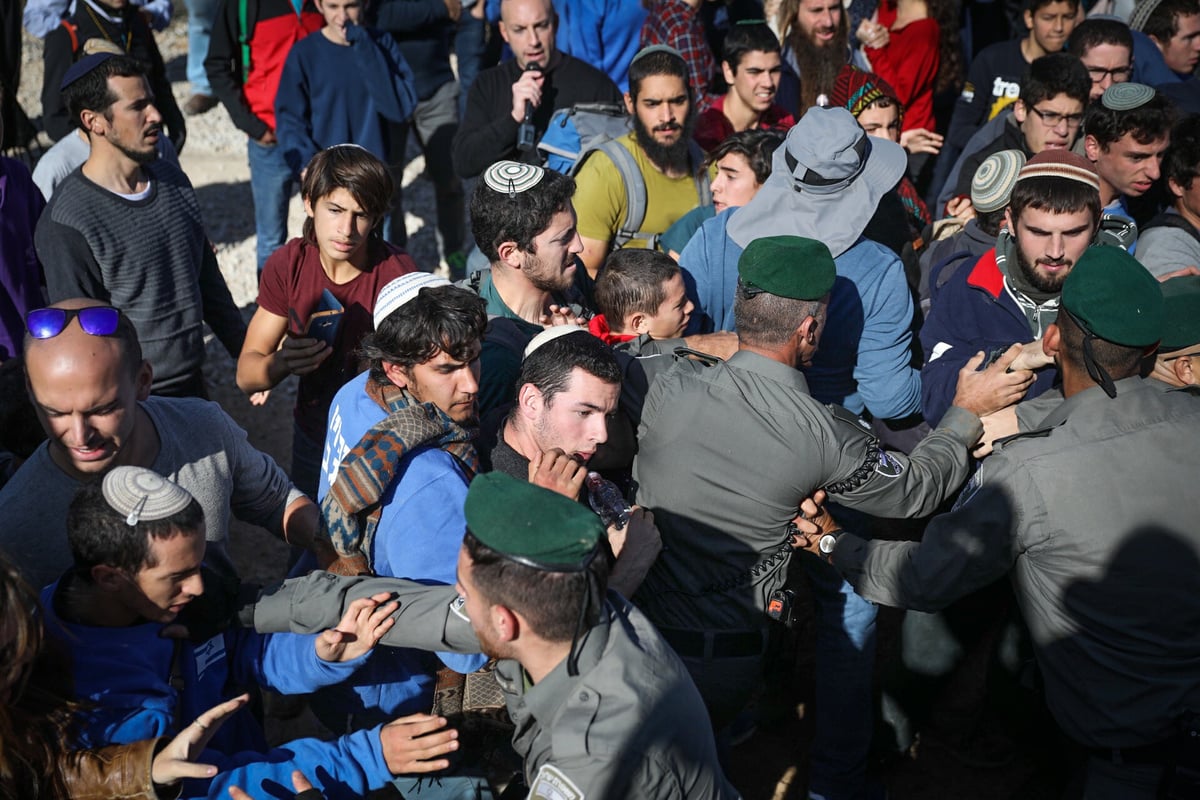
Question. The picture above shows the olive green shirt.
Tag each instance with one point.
(726, 455)
(1095, 515)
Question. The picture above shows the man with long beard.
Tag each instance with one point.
(816, 45)
(671, 167)
(1012, 293)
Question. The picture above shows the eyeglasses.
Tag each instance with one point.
(46, 323)
(1118, 74)
(1052, 119)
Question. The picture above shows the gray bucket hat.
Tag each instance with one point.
(825, 183)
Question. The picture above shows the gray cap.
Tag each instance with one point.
(143, 495)
(995, 179)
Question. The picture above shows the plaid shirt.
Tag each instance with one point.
(676, 24)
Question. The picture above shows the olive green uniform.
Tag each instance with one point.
(630, 724)
(1095, 514)
(726, 454)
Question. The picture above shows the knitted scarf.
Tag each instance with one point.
(351, 509)
(1040, 308)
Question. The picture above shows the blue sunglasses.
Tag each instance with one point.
(46, 323)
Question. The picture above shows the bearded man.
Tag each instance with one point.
(816, 45)
(670, 166)
(1012, 293)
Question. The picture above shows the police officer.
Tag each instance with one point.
(726, 454)
(1094, 513)
(1178, 362)
(603, 707)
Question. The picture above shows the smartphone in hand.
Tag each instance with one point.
(325, 322)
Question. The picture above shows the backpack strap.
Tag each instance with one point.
(244, 36)
(73, 32)
(1165, 220)
(635, 195)
(703, 190)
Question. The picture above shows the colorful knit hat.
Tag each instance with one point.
(854, 90)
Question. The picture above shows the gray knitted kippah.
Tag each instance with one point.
(655, 48)
(1141, 12)
(512, 178)
(995, 179)
(142, 495)
(1126, 96)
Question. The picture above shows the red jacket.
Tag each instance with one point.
(273, 27)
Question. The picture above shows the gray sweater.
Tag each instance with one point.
(202, 449)
(148, 257)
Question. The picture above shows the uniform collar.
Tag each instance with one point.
(769, 369)
(1093, 395)
(544, 699)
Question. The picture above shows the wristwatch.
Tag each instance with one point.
(826, 544)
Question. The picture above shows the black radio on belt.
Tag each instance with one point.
(782, 606)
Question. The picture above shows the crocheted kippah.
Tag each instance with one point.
(1060, 164)
(399, 291)
(143, 495)
(995, 179)
(1126, 96)
(512, 178)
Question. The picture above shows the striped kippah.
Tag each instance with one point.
(1060, 164)
(1141, 13)
(142, 495)
(512, 178)
(995, 179)
(855, 90)
(1126, 96)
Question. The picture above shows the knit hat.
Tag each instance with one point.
(1181, 313)
(1060, 164)
(1141, 13)
(399, 291)
(995, 179)
(531, 525)
(142, 495)
(787, 266)
(855, 89)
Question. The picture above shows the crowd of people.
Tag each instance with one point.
(776, 314)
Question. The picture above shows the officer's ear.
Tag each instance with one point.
(1182, 367)
(506, 623)
(1052, 340)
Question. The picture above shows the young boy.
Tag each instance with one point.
(640, 294)
(341, 86)
(346, 193)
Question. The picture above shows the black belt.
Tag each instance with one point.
(706, 644)
(1164, 752)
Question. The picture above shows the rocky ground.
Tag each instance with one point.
(766, 766)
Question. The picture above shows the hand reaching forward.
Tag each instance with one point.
(175, 762)
(362, 626)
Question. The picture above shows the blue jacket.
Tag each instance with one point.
(865, 359)
(972, 312)
(316, 108)
(125, 673)
(603, 33)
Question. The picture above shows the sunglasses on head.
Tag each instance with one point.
(46, 323)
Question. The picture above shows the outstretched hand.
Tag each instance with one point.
(362, 626)
(176, 761)
(304, 789)
(415, 744)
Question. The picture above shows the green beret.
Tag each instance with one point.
(1115, 297)
(1181, 313)
(531, 525)
(788, 266)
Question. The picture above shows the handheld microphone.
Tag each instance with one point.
(526, 135)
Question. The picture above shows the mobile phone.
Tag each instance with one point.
(325, 321)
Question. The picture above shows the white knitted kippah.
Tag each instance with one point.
(143, 495)
(399, 291)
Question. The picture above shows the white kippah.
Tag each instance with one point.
(143, 495)
(549, 335)
(512, 178)
(399, 291)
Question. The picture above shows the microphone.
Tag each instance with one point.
(526, 135)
